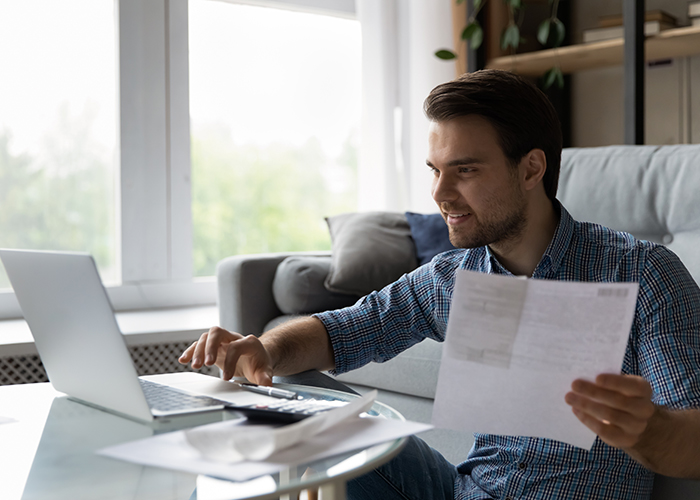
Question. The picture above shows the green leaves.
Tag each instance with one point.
(551, 31)
(560, 32)
(551, 76)
(510, 37)
(445, 54)
(543, 31)
(474, 34)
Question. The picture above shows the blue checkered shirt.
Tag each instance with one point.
(663, 347)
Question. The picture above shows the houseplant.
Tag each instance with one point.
(550, 33)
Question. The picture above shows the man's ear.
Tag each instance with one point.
(534, 165)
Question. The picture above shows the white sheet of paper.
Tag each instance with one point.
(513, 347)
(237, 443)
(172, 451)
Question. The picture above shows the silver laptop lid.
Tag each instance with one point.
(74, 328)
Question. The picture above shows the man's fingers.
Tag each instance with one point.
(629, 385)
(216, 338)
(263, 377)
(233, 353)
(187, 354)
(616, 407)
(205, 351)
(627, 420)
(198, 351)
(632, 398)
(635, 405)
(609, 433)
(242, 347)
(255, 365)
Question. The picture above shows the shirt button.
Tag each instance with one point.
(522, 465)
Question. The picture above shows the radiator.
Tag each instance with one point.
(149, 359)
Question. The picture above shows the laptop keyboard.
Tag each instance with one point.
(167, 399)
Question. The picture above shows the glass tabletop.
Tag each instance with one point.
(52, 442)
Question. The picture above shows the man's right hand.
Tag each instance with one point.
(235, 354)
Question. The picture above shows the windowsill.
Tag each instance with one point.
(139, 327)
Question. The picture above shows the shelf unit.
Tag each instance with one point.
(668, 44)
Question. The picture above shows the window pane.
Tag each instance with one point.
(275, 113)
(58, 128)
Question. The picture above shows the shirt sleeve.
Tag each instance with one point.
(387, 322)
(669, 325)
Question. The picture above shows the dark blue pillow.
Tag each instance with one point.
(430, 235)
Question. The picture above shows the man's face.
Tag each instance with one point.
(477, 189)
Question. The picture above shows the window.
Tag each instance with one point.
(58, 128)
(96, 141)
(275, 112)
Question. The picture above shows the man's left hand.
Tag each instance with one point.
(617, 408)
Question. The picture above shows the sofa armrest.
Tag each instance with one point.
(244, 296)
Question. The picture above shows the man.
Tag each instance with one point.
(494, 150)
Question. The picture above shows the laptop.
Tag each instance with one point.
(79, 341)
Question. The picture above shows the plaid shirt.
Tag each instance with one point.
(664, 348)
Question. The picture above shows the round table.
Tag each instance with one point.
(50, 441)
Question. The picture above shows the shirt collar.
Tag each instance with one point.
(492, 264)
(553, 255)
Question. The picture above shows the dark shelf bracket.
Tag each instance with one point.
(475, 58)
(633, 18)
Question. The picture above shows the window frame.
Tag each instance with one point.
(153, 205)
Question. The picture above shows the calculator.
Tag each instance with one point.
(286, 411)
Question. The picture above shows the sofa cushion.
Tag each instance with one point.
(649, 191)
(413, 372)
(275, 322)
(298, 286)
(430, 235)
(370, 250)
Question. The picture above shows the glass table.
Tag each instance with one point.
(49, 443)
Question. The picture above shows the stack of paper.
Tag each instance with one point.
(238, 443)
(237, 451)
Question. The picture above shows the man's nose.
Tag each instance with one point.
(443, 189)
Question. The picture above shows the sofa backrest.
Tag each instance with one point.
(652, 192)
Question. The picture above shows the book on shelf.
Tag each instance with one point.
(599, 34)
(694, 10)
(652, 15)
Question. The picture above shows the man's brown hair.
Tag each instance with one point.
(522, 115)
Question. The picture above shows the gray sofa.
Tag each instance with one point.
(649, 191)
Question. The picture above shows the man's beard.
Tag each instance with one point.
(504, 227)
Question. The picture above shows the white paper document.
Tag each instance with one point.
(513, 347)
(212, 450)
(237, 443)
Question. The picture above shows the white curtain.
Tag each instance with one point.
(399, 68)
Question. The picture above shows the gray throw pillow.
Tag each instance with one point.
(298, 286)
(370, 250)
